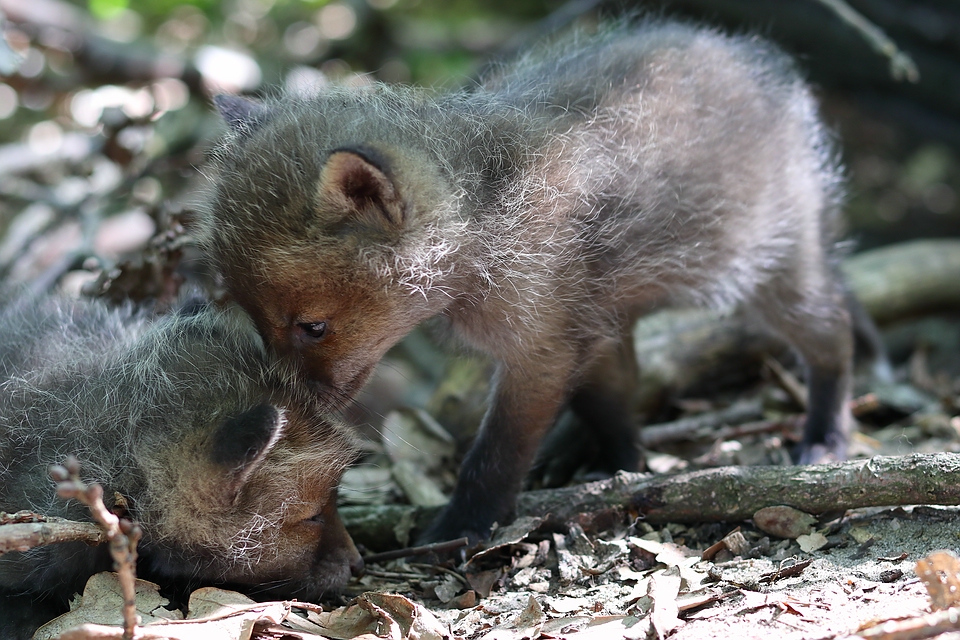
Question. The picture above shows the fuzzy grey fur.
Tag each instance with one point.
(141, 402)
(585, 184)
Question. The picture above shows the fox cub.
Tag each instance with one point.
(230, 470)
(540, 214)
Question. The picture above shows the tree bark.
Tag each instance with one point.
(725, 494)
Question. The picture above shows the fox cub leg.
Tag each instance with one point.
(605, 403)
(808, 308)
(603, 435)
(526, 399)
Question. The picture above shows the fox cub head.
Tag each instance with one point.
(241, 477)
(248, 497)
(226, 461)
(332, 234)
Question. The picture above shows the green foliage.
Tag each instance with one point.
(106, 9)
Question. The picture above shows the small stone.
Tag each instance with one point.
(784, 522)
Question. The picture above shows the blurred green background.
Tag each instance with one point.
(135, 76)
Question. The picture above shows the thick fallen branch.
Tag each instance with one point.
(736, 493)
(907, 279)
(677, 348)
(714, 495)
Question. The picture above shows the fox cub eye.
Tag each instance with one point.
(315, 330)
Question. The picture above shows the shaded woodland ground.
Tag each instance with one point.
(106, 120)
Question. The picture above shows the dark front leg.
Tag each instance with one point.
(605, 401)
(524, 405)
(604, 437)
(827, 430)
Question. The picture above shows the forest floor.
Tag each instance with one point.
(852, 573)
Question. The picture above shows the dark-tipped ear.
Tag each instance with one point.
(241, 443)
(241, 114)
(350, 180)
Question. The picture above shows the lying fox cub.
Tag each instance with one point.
(229, 469)
(540, 214)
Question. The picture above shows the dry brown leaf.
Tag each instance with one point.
(346, 622)
(210, 601)
(812, 542)
(674, 555)
(526, 626)
(567, 604)
(482, 582)
(532, 616)
(102, 604)
(940, 573)
(215, 614)
(511, 534)
(668, 553)
(562, 627)
(416, 621)
(610, 627)
(754, 600)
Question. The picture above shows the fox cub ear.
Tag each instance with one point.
(242, 442)
(351, 181)
(241, 114)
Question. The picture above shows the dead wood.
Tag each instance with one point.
(26, 535)
(683, 350)
(925, 626)
(906, 280)
(736, 493)
(705, 423)
(728, 494)
(103, 61)
(439, 548)
(836, 54)
(735, 421)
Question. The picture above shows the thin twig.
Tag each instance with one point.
(437, 547)
(123, 535)
(787, 381)
(902, 65)
(440, 569)
(21, 536)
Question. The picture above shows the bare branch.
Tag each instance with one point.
(902, 66)
(123, 535)
(21, 536)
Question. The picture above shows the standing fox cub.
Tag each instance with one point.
(229, 469)
(540, 214)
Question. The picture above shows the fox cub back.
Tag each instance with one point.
(540, 214)
(230, 470)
